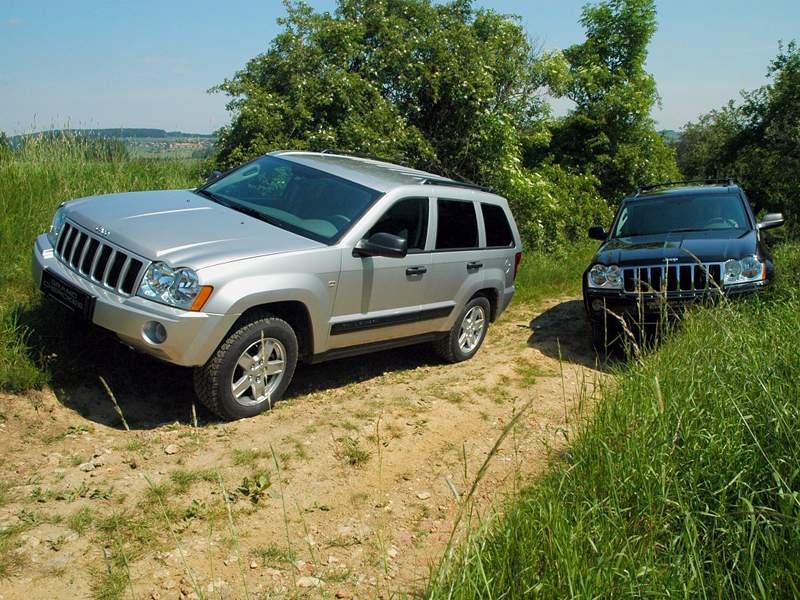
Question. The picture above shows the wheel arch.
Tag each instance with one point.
(294, 312)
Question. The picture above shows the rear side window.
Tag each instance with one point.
(458, 225)
(498, 231)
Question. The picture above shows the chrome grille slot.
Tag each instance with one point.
(91, 257)
(673, 279)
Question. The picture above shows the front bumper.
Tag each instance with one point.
(191, 336)
(650, 308)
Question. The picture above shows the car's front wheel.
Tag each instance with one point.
(467, 335)
(250, 370)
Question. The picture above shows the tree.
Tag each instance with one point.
(757, 140)
(439, 86)
(610, 132)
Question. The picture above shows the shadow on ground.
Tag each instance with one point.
(152, 393)
(563, 332)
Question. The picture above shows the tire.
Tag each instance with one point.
(452, 347)
(238, 362)
(605, 335)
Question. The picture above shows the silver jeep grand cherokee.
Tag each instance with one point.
(293, 256)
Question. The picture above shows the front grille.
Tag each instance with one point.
(672, 278)
(97, 260)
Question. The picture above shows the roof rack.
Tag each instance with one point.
(454, 183)
(707, 181)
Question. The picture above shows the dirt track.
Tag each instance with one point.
(361, 506)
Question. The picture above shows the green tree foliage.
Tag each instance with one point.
(453, 89)
(757, 140)
(441, 86)
(610, 132)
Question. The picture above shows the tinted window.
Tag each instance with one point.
(458, 225)
(700, 212)
(498, 231)
(408, 219)
(298, 198)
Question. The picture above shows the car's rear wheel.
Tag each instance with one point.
(467, 335)
(250, 370)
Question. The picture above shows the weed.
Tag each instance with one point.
(80, 521)
(350, 451)
(273, 556)
(247, 457)
(183, 479)
(254, 488)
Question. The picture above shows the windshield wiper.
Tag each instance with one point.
(687, 229)
(250, 212)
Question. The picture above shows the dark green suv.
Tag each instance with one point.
(670, 245)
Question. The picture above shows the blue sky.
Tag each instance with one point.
(93, 63)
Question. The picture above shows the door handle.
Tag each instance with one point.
(474, 266)
(416, 270)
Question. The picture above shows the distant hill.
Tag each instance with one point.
(672, 136)
(119, 133)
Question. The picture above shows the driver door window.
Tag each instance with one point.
(408, 219)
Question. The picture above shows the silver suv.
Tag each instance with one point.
(293, 256)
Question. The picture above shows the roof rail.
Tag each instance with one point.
(454, 183)
(363, 156)
(707, 181)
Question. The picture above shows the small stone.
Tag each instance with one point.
(392, 552)
(308, 582)
(253, 565)
(169, 585)
(171, 449)
(342, 594)
(155, 595)
(423, 495)
(86, 467)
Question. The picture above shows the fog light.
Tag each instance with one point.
(154, 332)
(597, 305)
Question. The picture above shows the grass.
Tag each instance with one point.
(31, 187)
(685, 482)
(555, 275)
(350, 451)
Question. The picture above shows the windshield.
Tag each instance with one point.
(701, 212)
(303, 200)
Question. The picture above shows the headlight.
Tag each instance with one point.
(602, 276)
(176, 287)
(746, 270)
(57, 225)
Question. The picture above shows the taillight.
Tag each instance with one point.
(517, 260)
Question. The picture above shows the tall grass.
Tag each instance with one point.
(554, 274)
(686, 481)
(33, 182)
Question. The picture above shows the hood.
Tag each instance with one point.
(181, 228)
(709, 246)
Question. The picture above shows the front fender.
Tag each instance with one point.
(246, 284)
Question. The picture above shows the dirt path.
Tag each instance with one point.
(359, 504)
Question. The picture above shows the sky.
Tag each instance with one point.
(149, 63)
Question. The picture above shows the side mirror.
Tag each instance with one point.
(213, 176)
(771, 220)
(382, 244)
(597, 233)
